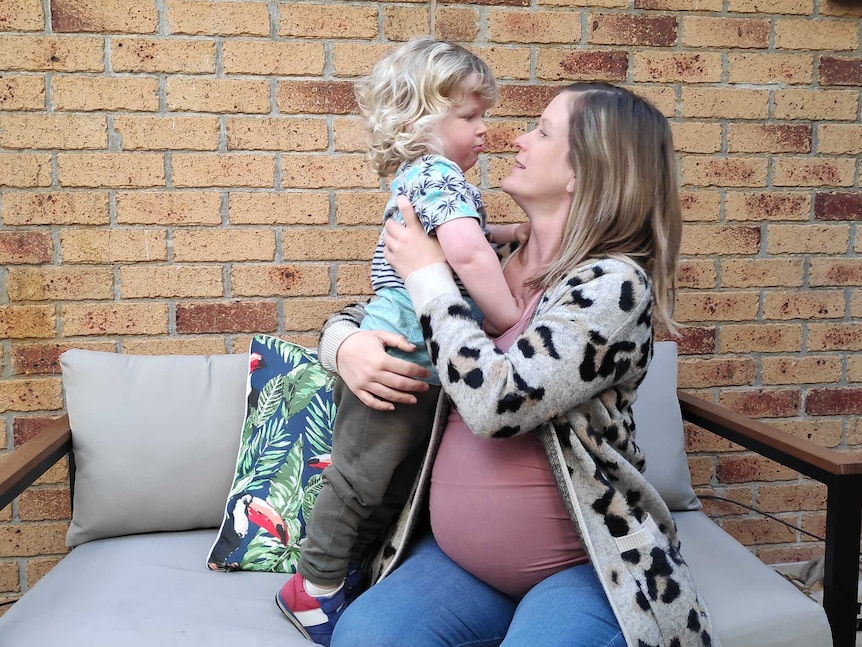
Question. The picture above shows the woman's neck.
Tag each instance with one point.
(539, 251)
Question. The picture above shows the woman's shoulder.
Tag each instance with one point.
(608, 270)
(608, 291)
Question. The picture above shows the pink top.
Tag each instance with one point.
(495, 507)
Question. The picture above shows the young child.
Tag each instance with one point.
(423, 106)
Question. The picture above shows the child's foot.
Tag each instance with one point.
(354, 583)
(315, 617)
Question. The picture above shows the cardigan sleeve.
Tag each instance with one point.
(590, 332)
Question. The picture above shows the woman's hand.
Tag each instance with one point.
(409, 248)
(373, 375)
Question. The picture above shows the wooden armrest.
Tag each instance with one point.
(28, 462)
(809, 458)
(842, 474)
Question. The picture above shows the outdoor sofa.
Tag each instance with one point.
(152, 447)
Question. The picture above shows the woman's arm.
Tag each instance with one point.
(377, 378)
(588, 334)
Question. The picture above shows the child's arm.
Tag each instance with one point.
(474, 261)
(502, 234)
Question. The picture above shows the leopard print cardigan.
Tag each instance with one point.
(572, 377)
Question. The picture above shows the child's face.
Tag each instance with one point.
(462, 131)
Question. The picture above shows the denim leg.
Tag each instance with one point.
(567, 609)
(428, 601)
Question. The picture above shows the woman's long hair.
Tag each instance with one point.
(625, 202)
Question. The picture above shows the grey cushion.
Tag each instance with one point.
(751, 605)
(658, 424)
(146, 590)
(155, 440)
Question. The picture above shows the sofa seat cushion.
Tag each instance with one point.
(146, 590)
(750, 603)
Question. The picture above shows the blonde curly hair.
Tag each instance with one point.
(412, 88)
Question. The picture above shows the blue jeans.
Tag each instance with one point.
(429, 601)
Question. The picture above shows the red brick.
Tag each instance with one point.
(835, 271)
(748, 467)
(763, 205)
(94, 16)
(460, 25)
(44, 505)
(769, 138)
(252, 280)
(523, 100)
(32, 394)
(700, 468)
(582, 65)
(714, 508)
(834, 402)
(805, 171)
(716, 306)
(720, 240)
(844, 205)
(697, 274)
(25, 429)
(813, 304)
(763, 403)
(836, 70)
(764, 273)
(25, 247)
(800, 370)
(22, 92)
(44, 358)
(709, 170)
(751, 531)
(59, 283)
(686, 67)
(720, 32)
(789, 554)
(534, 26)
(699, 440)
(700, 205)
(229, 317)
(626, 29)
(122, 318)
(760, 338)
(716, 371)
(326, 21)
(692, 340)
(823, 431)
(56, 208)
(28, 540)
(318, 97)
(834, 336)
(218, 18)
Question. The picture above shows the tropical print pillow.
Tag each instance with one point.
(285, 444)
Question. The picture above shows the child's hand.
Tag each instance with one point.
(522, 234)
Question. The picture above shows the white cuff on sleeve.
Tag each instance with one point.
(331, 341)
(429, 282)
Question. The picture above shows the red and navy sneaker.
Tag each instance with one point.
(314, 617)
(354, 583)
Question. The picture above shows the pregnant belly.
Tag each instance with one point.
(496, 510)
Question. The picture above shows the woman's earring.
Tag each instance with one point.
(571, 185)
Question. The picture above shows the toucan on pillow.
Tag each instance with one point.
(285, 444)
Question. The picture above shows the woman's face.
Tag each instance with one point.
(542, 170)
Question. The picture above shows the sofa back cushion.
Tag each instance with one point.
(155, 440)
(658, 431)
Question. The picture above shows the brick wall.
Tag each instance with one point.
(179, 174)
